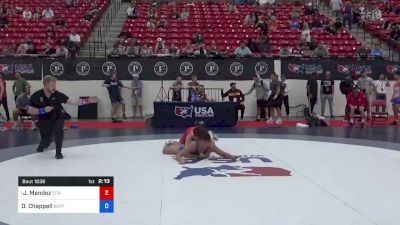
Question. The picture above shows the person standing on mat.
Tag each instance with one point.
(3, 95)
(113, 86)
(312, 91)
(235, 95)
(19, 86)
(285, 94)
(137, 97)
(47, 104)
(327, 92)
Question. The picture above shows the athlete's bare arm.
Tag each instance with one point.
(186, 152)
(226, 155)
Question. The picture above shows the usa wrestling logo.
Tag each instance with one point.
(352, 67)
(233, 170)
(392, 69)
(184, 112)
(305, 68)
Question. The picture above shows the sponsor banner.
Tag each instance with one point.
(31, 69)
(184, 114)
(339, 68)
(159, 68)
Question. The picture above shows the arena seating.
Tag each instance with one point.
(35, 28)
(227, 29)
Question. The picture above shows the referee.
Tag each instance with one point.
(46, 103)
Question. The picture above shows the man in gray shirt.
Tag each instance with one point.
(275, 100)
(137, 97)
(366, 85)
(262, 91)
(22, 103)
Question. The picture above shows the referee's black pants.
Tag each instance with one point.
(47, 129)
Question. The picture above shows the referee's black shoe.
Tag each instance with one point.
(39, 150)
(59, 156)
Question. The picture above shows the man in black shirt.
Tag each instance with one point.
(327, 92)
(114, 86)
(47, 104)
(235, 95)
(312, 91)
(275, 100)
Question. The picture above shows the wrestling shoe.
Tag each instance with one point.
(213, 135)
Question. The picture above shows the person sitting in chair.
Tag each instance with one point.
(235, 95)
(22, 103)
(357, 102)
(201, 95)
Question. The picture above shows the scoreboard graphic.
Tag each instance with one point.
(65, 194)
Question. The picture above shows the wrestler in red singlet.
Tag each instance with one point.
(188, 131)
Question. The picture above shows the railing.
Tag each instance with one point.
(213, 94)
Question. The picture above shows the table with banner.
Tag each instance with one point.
(185, 114)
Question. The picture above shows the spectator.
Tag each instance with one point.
(185, 14)
(117, 50)
(150, 24)
(362, 52)
(273, 24)
(316, 23)
(160, 47)
(381, 87)
(48, 13)
(175, 14)
(22, 48)
(327, 93)
(305, 34)
(49, 50)
(262, 90)
(3, 95)
(74, 42)
(59, 23)
(133, 49)
(50, 32)
(124, 34)
(285, 51)
(251, 44)
(177, 90)
(21, 109)
(264, 45)
(356, 101)
(114, 86)
(294, 24)
(275, 100)
(285, 94)
(336, 6)
(188, 49)
(310, 10)
(174, 50)
(338, 25)
(193, 86)
(4, 22)
(132, 12)
(330, 28)
(27, 14)
(395, 34)
(377, 51)
(198, 39)
(263, 26)
(296, 12)
(61, 51)
(145, 51)
(31, 48)
(396, 101)
(242, 50)
(162, 23)
(312, 91)
(366, 84)
(214, 49)
(235, 95)
(70, 3)
(250, 19)
(201, 95)
(37, 14)
(200, 51)
(231, 8)
(152, 14)
(348, 14)
(376, 14)
(137, 96)
(19, 85)
(321, 51)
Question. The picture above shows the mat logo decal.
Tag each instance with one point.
(184, 112)
(192, 111)
(232, 170)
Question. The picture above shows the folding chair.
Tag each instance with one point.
(379, 116)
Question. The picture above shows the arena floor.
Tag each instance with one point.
(287, 176)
